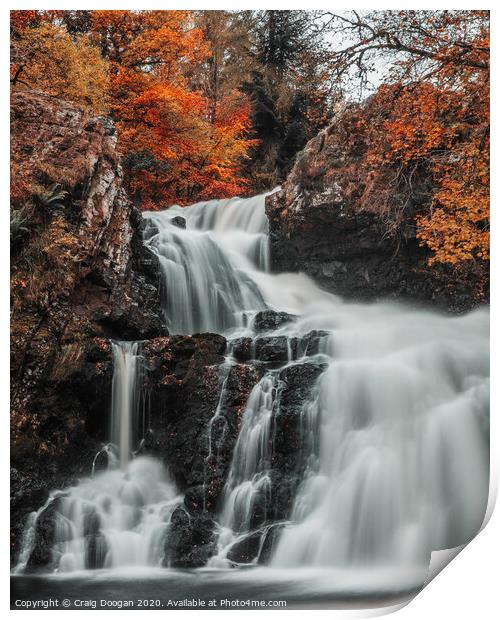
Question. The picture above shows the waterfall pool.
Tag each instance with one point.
(252, 588)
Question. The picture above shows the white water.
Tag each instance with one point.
(119, 517)
(248, 478)
(124, 397)
(403, 462)
(124, 514)
(395, 430)
(206, 267)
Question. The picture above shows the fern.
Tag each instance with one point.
(20, 223)
(51, 199)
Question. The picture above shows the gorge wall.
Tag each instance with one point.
(327, 222)
(80, 273)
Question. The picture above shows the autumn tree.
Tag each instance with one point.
(228, 64)
(45, 56)
(433, 119)
(176, 147)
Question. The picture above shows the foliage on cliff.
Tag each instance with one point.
(421, 141)
(217, 103)
(202, 100)
(78, 266)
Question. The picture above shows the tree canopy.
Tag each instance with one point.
(215, 103)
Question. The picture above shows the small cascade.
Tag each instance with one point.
(207, 265)
(247, 490)
(107, 454)
(120, 516)
(247, 507)
(248, 480)
(125, 389)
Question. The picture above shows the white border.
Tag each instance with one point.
(467, 587)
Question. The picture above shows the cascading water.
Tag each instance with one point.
(403, 461)
(396, 430)
(123, 399)
(206, 265)
(394, 433)
(248, 477)
(118, 517)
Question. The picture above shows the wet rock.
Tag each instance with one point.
(257, 547)
(270, 319)
(27, 494)
(186, 382)
(178, 221)
(194, 499)
(99, 350)
(270, 542)
(191, 540)
(242, 349)
(272, 349)
(101, 462)
(245, 551)
(285, 480)
(289, 455)
(298, 382)
(41, 554)
(311, 343)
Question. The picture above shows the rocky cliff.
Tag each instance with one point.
(79, 271)
(325, 222)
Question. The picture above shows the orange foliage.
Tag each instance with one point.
(47, 58)
(139, 66)
(174, 153)
(439, 126)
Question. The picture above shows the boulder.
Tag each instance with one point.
(242, 349)
(178, 221)
(191, 540)
(267, 320)
(41, 553)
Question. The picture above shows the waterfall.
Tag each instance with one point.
(391, 406)
(207, 265)
(248, 479)
(394, 432)
(120, 516)
(123, 399)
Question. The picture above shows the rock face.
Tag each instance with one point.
(80, 273)
(322, 224)
(55, 142)
(270, 319)
(196, 408)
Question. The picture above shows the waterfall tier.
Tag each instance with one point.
(364, 443)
